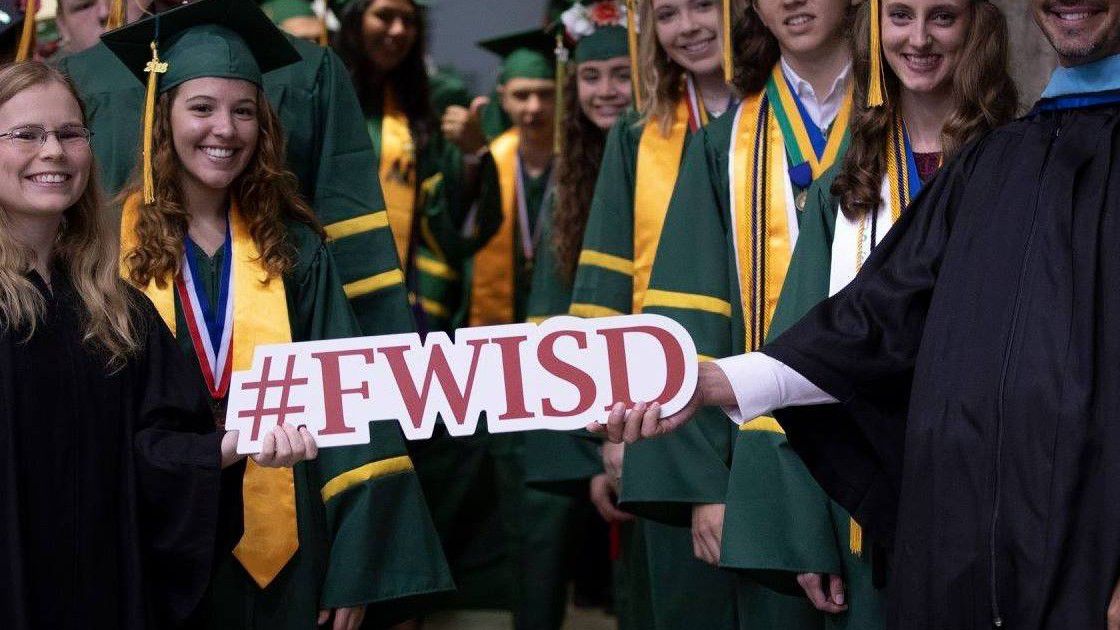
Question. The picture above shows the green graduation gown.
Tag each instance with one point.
(372, 542)
(673, 587)
(778, 522)
(327, 148)
(807, 283)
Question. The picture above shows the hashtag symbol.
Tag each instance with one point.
(281, 411)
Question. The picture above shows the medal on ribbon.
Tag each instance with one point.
(211, 328)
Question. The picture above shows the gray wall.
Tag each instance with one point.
(458, 24)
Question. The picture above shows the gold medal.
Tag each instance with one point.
(801, 199)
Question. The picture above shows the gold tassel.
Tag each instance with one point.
(154, 68)
(855, 538)
(876, 90)
(632, 44)
(26, 49)
(324, 33)
(728, 63)
(116, 15)
(561, 79)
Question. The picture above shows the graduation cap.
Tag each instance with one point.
(525, 55)
(231, 39)
(596, 28)
(281, 10)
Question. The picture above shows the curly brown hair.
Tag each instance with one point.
(584, 143)
(755, 53)
(267, 194)
(984, 97)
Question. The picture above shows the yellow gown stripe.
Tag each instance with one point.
(436, 268)
(362, 474)
(689, 301)
(762, 423)
(492, 282)
(609, 262)
(434, 308)
(592, 310)
(357, 225)
(373, 283)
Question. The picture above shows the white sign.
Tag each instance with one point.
(561, 374)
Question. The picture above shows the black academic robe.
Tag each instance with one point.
(976, 358)
(109, 482)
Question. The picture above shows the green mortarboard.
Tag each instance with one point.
(598, 28)
(280, 11)
(447, 88)
(229, 39)
(525, 55)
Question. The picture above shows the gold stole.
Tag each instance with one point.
(492, 282)
(659, 162)
(397, 171)
(270, 539)
(760, 211)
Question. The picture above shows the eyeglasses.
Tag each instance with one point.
(35, 136)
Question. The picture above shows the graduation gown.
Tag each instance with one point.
(559, 461)
(110, 480)
(371, 542)
(778, 522)
(432, 260)
(328, 149)
(974, 356)
(666, 584)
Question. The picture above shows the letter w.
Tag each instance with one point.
(416, 402)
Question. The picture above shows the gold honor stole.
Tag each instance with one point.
(655, 177)
(492, 282)
(270, 539)
(397, 172)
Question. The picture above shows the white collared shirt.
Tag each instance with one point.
(821, 110)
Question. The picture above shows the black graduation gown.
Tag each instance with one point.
(976, 358)
(108, 487)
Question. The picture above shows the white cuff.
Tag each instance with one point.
(763, 384)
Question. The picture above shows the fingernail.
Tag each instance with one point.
(839, 599)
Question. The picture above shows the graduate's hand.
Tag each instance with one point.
(827, 595)
(604, 496)
(285, 446)
(612, 455)
(463, 127)
(344, 618)
(1114, 609)
(707, 531)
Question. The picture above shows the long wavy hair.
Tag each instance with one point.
(755, 53)
(984, 97)
(267, 195)
(409, 80)
(85, 249)
(584, 143)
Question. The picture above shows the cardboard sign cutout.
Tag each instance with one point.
(561, 374)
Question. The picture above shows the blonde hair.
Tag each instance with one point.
(267, 194)
(662, 80)
(84, 247)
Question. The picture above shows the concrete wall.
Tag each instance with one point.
(1032, 59)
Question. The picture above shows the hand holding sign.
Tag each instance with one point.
(562, 374)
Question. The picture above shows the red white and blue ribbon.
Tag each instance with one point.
(211, 329)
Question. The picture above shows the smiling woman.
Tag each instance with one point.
(220, 241)
(111, 478)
